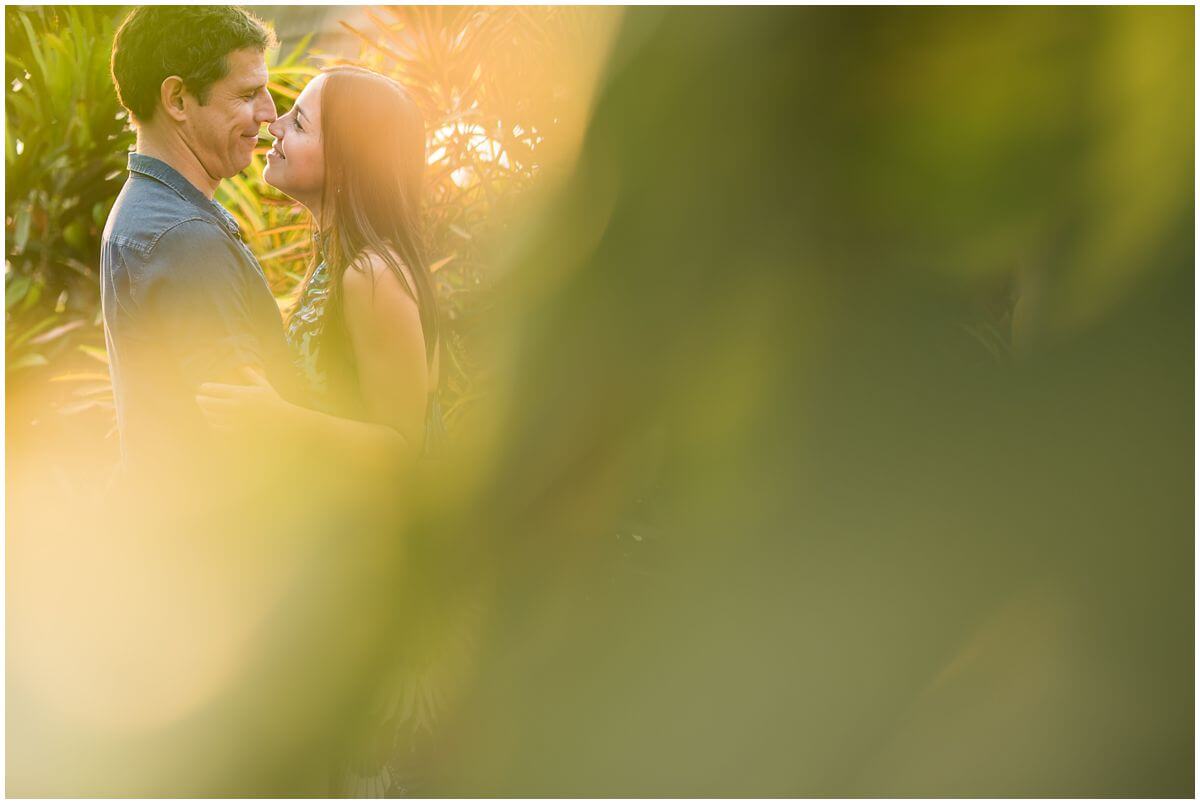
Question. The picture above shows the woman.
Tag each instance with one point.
(364, 330)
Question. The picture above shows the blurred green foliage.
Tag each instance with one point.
(845, 438)
(838, 441)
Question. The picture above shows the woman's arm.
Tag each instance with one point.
(384, 325)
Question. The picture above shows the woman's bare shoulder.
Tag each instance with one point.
(371, 272)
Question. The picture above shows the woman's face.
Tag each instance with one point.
(296, 163)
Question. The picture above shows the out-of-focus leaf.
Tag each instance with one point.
(21, 225)
(58, 332)
(79, 376)
(290, 248)
(27, 361)
(15, 292)
(80, 406)
(96, 353)
(94, 389)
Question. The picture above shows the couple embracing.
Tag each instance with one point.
(219, 398)
(199, 353)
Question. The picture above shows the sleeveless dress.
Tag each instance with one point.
(331, 377)
(331, 381)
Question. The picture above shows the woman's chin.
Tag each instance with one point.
(272, 178)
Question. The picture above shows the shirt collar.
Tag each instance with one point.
(161, 171)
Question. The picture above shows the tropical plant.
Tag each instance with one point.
(65, 143)
(497, 86)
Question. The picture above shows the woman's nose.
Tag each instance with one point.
(275, 128)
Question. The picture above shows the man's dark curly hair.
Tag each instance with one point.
(192, 42)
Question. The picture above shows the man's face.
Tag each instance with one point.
(224, 131)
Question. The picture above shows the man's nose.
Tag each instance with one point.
(266, 109)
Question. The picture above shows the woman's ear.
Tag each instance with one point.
(171, 94)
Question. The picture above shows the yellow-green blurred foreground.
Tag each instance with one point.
(837, 441)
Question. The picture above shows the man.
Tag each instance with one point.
(184, 299)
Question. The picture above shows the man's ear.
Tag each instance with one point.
(171, 94)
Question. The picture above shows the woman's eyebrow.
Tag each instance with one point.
(300, 110)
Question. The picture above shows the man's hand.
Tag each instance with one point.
(255, 406)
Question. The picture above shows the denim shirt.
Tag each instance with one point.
(184, 302)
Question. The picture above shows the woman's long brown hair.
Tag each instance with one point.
(374, 143)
